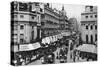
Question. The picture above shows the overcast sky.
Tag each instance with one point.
(71, 10)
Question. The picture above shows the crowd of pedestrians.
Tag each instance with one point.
(46, 52)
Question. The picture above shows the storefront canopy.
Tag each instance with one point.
(54, 38)
(87, 48)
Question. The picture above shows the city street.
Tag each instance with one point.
(42, 33)
(69, 59)
(56, 60)
(40, 60)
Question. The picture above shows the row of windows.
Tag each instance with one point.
(15, 16)
(91, 16)
(21, 27)
(15, 27)
(21, 37)
(91, 38)
(22, 16)
(22, 40)
(16, 35)
(91, 27)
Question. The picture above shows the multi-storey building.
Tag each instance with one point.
(25, 22)
(53, 21)
(32, 21)
(89, 24)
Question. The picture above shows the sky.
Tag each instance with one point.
(71, 10)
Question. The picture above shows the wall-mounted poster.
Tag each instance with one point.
(48, 33)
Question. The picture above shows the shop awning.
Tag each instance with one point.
(87, 48)
(54, 38)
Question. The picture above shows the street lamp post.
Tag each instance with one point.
(69, 45)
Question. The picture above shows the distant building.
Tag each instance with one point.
(89, 24)
(74, 24)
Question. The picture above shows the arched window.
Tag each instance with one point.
(95, 37)
(32, 33)
(95, 27)
(86, 27)
(95, 16)
(86, 38)
(91, 27)
(91, 38)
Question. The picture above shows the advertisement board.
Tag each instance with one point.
(27, 47)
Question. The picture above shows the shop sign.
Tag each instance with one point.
(27, 47)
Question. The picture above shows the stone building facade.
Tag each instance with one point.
(25, 23)
(53, 21)
(89, 25)
(32, 21)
